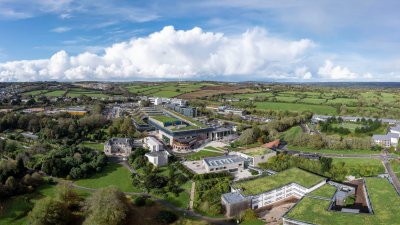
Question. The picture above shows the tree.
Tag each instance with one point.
(326, 164)
(106, 206)
(67, 195)
(166, 217)
(49, 212)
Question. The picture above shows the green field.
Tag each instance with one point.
(264, 184)
(280, 106)
(332, 151)
(167, 90)
(291, 134)
(95, 146)
(112, 175)
(77, 92)
(58, 93)
(384, 199)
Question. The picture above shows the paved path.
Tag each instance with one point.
(389, 170)
(192, 195)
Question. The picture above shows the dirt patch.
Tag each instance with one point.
(273, 213)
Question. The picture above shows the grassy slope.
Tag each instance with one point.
(112, 175)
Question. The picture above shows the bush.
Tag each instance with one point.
(166, 217)
(140, 201)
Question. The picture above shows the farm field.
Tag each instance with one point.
(332, 151)
(167, 90)
(318, 109)
(112, 175)
(58, 93)
(77, 92)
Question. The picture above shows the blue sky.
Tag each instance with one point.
(282, 40)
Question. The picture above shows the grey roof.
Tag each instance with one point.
(221, 129)
(123, 141)
(223, 160)
(233, 197)
(395, 128)
(381, 137)
(156, 154)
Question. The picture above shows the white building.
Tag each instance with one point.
(264, 191)
(395, 129)
(157, 158)
(119, 146)
(387, 140)
(153, 144)
(229, 163)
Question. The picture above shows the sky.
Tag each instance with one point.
(226, 40)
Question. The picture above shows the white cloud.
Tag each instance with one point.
(335, 72)
(303, 72)
(330, 71)
(61, 29)
(171, 53)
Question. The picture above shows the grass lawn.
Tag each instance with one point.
(318, 109)
(395, 164)
(57, 93)
(112, 175)
(326, 191)
(165, 119)
(332, 151)
(292, 133)
(93, 145)
(203, 154)
(384, 199)
(264, 184)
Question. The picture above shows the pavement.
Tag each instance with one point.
(394, 178)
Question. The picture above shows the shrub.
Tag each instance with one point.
(166, 217)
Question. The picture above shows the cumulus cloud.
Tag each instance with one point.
(303, 72)
(333, 72)
(170, 53)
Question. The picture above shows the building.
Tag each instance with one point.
(256, 155)
(157, 158)
(221, 132)
(184, 110)
(264, 191)
(231, 163)
(76, 111)
(381, 206)
(119, 146)
(387, 140)
(153, 144)
(395, 129)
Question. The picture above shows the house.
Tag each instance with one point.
(119, 146)
(267, 190)
(231, 163)
(157, 158)
(153, 144)
(395, 129)
(387, 140)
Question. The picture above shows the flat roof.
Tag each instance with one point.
(384, 200)
(223, 160)
(233, 197)
(268, 183)
(165, 119)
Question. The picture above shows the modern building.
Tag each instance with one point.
(381, 206)
(157, 158)
(231, 163)
(153, 144)
(387, 140)
(184, 110)
(119, 146)
(264, 191)
(256, 155)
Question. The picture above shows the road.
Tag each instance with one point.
(389, 170)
